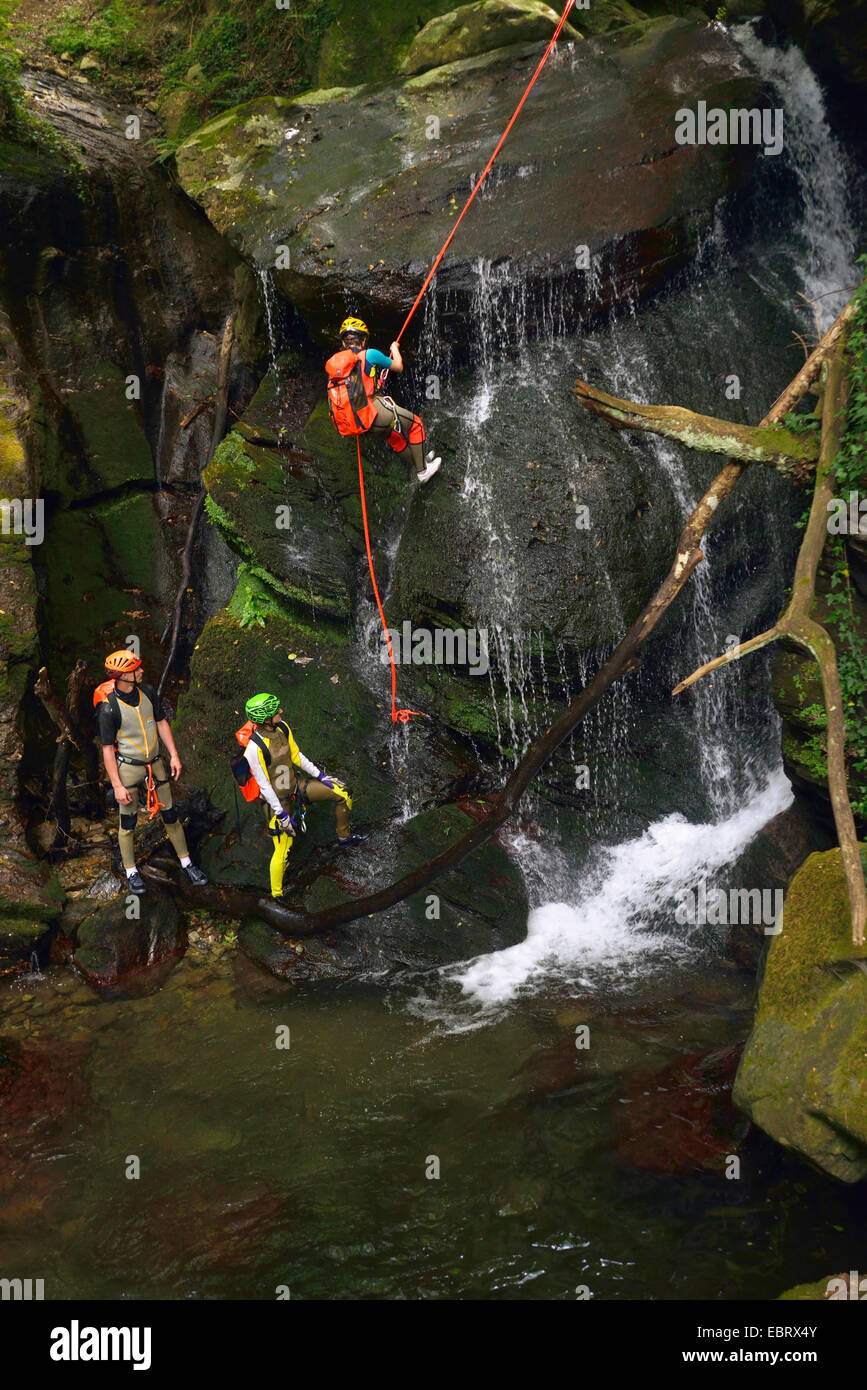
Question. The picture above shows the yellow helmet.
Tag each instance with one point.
(352, 325)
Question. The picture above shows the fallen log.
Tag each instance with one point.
(789, 452)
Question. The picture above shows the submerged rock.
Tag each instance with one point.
(803, 1076)
(682, 1119)
(351, 182)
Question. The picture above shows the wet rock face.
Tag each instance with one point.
(116, 952)
(682, 1119)
(361, 184)
(801, 1078)
(477, 28)
(479, 906)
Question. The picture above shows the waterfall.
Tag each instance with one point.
(602, 906)
(269, 301)
(823, 250)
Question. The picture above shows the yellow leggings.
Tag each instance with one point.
(283, 841)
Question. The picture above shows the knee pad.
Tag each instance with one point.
(416, 431)
(170, 815)
(127, 822)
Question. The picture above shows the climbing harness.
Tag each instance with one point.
(404, 715)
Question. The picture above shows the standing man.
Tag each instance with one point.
(273, 755)
(131, 724)
(356, 376)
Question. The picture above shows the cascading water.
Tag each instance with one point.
(269, 302)
(616, 895)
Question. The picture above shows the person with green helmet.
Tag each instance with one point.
(278, 765)
(356, 376)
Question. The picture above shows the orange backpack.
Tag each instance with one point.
(102, 692)
(241, 768)
(350, 392)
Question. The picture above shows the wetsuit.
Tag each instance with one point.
(287, 762)
(129, 722)
(403, 429)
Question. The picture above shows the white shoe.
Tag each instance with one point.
(432, 467)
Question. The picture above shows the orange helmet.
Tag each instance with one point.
(122, 662)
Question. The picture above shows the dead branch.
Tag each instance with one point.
(790, 453)
(797, 624)
(621, 661)
(196, 410)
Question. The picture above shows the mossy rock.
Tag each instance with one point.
(479, 27)
(803, 1075)
(361, 227)
(295, 514)
(370, 48)
(101, 444)
(31, 898)
(108, 572)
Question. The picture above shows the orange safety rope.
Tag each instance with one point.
(404, 715)
(396, 714)
(487, 169)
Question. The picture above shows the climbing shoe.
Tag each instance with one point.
(194, 874)
(281, 901)
(356, 838)
(433, 465)
(135, 883)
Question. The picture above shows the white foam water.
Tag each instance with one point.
(606, 932)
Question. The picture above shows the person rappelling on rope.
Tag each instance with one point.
(271, 756)
(131, 723)
(356, 376)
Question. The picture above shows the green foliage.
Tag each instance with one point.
(114, 33)
(850, 465)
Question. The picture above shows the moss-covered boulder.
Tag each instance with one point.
(477, 907)
(803, 1075)
(479, 27)
(130, 944)
(293, 512)
(359, 186)
(108, 571)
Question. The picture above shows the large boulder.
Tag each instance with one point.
(803, 1075)
(360, 186)
(477, 28)
(477, 907)
(130, 944)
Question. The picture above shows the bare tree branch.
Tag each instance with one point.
(797, 624)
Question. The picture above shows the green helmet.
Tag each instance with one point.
(261, 707)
